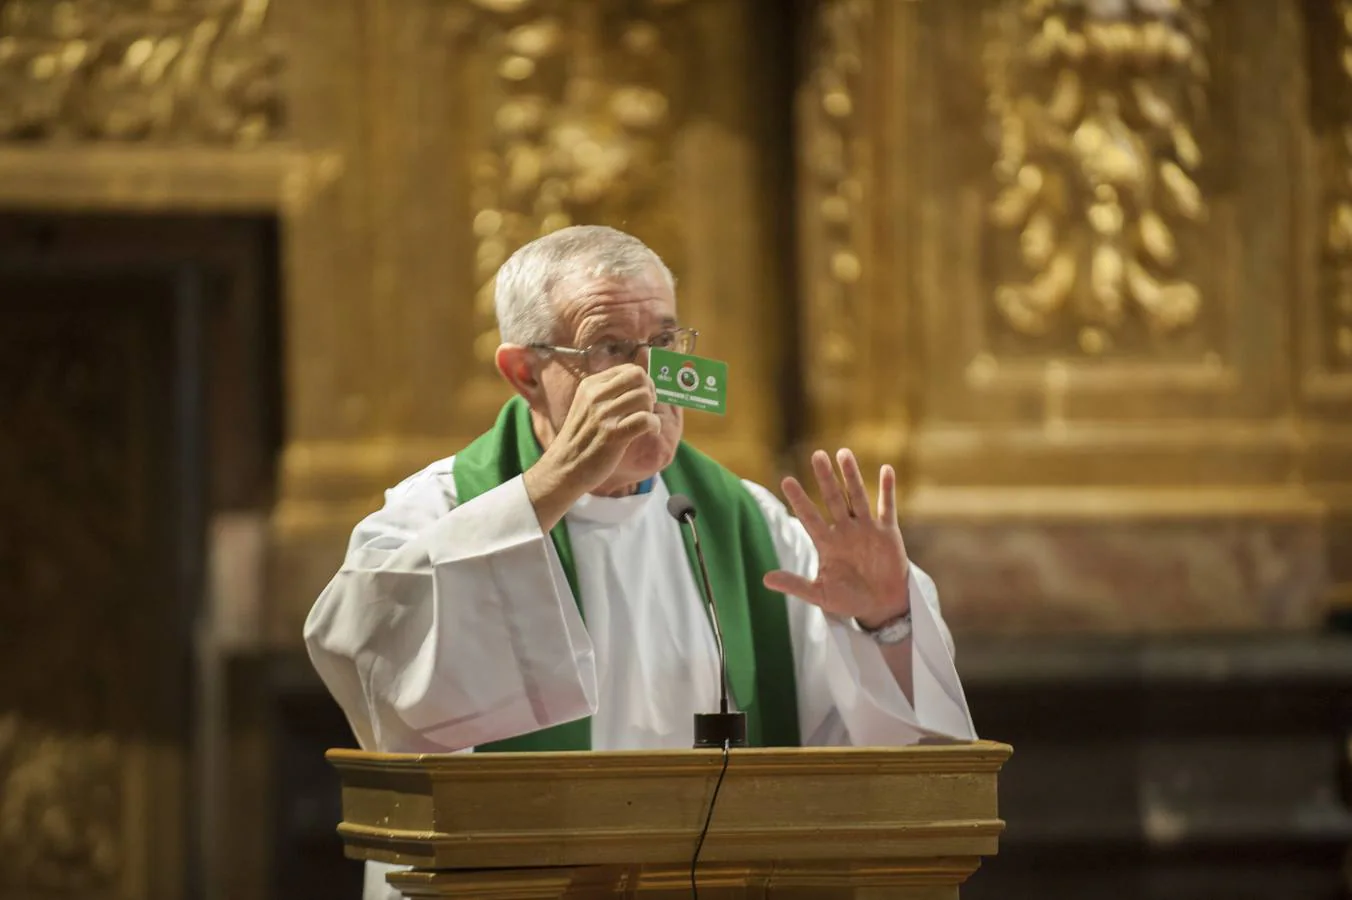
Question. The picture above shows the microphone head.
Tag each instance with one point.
(681, 508)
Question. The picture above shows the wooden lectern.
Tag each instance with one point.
(909, 822)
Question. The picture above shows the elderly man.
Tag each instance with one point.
(532, 592)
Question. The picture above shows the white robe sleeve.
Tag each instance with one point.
(846, 692)
(449, 625)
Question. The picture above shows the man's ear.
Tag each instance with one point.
(517, 365)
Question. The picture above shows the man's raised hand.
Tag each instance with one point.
(862, 568)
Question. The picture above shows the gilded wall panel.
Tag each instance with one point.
(1097, 205)
(1335, 350)
(1327, 325)
(1324, 324)
(574, 121)
(1332, 90)
(337, 352)
(1083, 227)
(1092, 275)
(576, 126)
(202, 72)
(854, 256)
(833, 109)
(503, 121)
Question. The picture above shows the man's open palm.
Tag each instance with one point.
(862, 567)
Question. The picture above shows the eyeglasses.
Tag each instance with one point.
(607, 354)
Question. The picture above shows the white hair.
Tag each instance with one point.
(523, 293)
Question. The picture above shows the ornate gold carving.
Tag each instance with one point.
(581, 100)
(1338, 242)
(193, 70)
(834, 162)
(1096, 102)
(60, 826)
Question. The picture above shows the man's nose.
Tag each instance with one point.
(641, 355)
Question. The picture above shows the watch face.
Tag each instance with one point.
(894, 632)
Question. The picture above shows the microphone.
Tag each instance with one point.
(721, 729)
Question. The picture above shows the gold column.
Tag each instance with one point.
(1324, 332)
(1067, 291)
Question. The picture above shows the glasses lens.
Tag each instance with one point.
(685, 341)
(608, 354)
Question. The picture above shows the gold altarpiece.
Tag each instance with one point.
(1093, 255)
(1081, 270)
(1074, 267)
(1081, 267)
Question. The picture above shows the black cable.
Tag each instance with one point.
(704, 832)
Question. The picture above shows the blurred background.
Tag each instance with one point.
(1082, 269)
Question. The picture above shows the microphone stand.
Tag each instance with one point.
(722, 729)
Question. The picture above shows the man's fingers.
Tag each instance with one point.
(619, 380)
(794, 585)
(854, 482)
(637, 382)
(829, 487)
(627, 402)
(620, 398)
(887, 495)
(637, 424)
(804, 509)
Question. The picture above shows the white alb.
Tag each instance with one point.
(450, 626)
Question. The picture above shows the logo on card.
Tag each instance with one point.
(687, 377)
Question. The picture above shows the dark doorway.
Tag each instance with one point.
(137, 397)
(99, 545)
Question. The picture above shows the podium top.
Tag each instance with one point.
(929, 757)
(462, 810)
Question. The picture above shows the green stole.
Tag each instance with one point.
(738, 549)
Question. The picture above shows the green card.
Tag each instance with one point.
(690, 381)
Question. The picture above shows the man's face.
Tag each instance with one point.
(592, 312)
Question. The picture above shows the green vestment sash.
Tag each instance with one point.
(738, 549)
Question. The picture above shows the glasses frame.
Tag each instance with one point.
(585, 353)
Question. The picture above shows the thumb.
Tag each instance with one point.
(795, 585)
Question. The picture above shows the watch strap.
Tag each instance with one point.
(893, 631)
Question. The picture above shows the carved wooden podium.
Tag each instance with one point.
(908, 822)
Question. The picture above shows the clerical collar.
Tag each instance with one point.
(612, 510)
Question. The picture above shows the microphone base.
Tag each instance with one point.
(717, 729)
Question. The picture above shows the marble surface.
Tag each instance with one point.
(1125, 577)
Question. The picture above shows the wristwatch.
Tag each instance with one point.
(891, 632)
